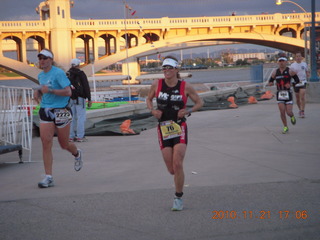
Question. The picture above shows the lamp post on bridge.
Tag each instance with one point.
(313, 77)
(279, 2)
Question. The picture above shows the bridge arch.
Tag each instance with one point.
(110, 43)
(282, 42)
(286, 30)
(151, 37)
(18, 48)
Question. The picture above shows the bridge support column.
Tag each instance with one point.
(47, 41)
(24, 49)
(131, 68)
(1, 53)
(96, 47)
(73, 46)
(118, 49)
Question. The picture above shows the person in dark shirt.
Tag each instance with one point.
(171, 94)
(282, 76)
(78, 102)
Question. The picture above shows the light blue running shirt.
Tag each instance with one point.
(55, 79)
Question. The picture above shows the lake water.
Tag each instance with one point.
(198, 76)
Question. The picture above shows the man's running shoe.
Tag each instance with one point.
(78, 163)
(81, 139)
(293, 120)
(71, 140)
(177, 204)
(285, 130)
(302, 114)
(46, 182)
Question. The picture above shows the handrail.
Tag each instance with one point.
(164, 22)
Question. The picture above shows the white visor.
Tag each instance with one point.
(170, 62)
(282, 58)
(45, 53)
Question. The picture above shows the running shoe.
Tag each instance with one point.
(71, 140)
(46, 182)
(78, 163)
(285, 130)
(81, 139)
(293, 120)
(177, 204)
(302, 114)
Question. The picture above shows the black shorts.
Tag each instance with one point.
(297, 88)
(61, 117)
(173, 141)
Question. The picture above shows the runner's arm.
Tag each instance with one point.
(294, 76)
(198, 103)
(272, 78)
(61, 92)
(151, 95)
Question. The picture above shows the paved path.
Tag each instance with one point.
(237, 162)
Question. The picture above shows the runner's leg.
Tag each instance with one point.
(302, 99)
(282, 109)
(46, 135)
(298, 98)
(63, 138)
(179, 151)
(167, 154)
(288, 110)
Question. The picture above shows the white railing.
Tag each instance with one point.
(16, 118)
(164, 22)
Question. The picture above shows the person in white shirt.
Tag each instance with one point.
(301, 68)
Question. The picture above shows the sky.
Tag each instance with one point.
(11, 10)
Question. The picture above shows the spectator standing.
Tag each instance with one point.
(80, 92)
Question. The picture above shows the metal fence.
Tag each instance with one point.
(16, 118)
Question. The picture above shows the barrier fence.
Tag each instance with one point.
(16, 118)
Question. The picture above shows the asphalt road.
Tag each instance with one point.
(244, 180)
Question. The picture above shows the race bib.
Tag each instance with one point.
(62, 116)
(170, 129)
(283, 95)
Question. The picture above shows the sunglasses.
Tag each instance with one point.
(42, 58)
(167, 68)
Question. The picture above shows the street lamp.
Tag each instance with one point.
(279, 2)
(313, 77)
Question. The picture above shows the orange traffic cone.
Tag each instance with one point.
(231, 100)
(267, 95)
(125, 127)
(252, 100)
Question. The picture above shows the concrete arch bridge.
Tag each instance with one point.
(104, 41)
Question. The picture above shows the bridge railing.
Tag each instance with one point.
(165, 22)
(11, 26)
